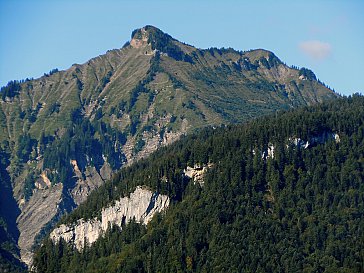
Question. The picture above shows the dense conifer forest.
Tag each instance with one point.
(296, 209)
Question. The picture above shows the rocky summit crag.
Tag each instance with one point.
(64, 134)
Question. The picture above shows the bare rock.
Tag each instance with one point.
(197, 172)
(142, 205)
(106, 171)
(85, 186)
(41, 208)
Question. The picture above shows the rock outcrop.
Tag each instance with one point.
(320, 139)
(142, 204)
(269, 152)
(84, 186)
(197, 172)
(40, 210)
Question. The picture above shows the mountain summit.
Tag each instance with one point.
(66, 133)
(160, 42)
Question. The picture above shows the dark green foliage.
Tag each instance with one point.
(260, 85)
(270, 62)
(9, 264)
(134, 94)
(247, 65)
(79, 84)
(264, 62)
(164, 43)
(54, 108)
(307, 73)
(173, 119)
(11, 90)
(141, 86)
(50, 258)
(76, 116)
(136, 34)
(301, 211)
(139, 146)
(9, 212)
(53, 71)
(135, 120)
(209, 77)
(25, 146)
(98, 114)
(29, 185)
(104, 81)
(154, 67)
(31, 114)
(80, 143)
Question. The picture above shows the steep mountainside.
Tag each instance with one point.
(279, 194)
(65, 133)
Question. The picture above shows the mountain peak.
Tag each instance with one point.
(150, 35)
(147, 31)
(139, 37)
(159, 41)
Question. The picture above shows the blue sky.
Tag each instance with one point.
(325, 36)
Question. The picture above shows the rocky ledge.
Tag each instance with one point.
(142, 204)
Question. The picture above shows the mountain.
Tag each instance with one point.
(66, 133)
(278, 194)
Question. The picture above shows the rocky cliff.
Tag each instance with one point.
(39, 211)
(142, 204)
(197, 172)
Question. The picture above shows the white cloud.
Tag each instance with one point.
(316, 50)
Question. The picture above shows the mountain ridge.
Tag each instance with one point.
(68, 131)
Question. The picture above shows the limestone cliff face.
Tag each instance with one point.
(141, 205)
(40, 210)
(319, 139)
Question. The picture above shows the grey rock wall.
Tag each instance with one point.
(142, 204)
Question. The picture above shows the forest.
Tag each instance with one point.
(297, 209)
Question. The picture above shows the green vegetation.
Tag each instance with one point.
(10, 90)
(86, 143)
(307, 73)
(25, 147)
(29, 185)
(139, 146)
(9, 211)
(104, 81)
(270, 62)
(164, 43)
(298, 211)
(134, 94)
(53, 71)
(87, 112)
